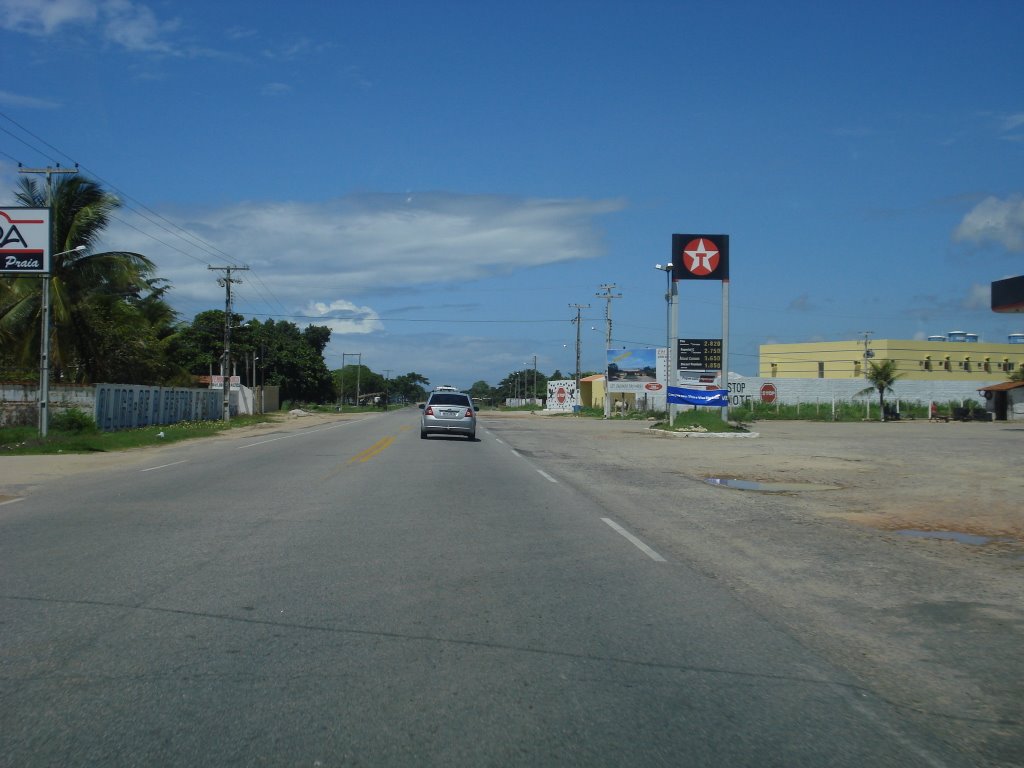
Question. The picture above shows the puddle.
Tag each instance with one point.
(962, 538)
(750, 485)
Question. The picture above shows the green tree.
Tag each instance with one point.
(483, 391)
(82, 284)
(358, 379)
(882, 374)
(409, 387)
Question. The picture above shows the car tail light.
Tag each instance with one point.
(469, 412)
(430, 410)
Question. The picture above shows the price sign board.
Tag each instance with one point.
(699, 355)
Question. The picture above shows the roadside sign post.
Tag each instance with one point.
(25, 244)
(706, 257)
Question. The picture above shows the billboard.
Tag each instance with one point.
(562, 395)
(633, 370)
(24, 241)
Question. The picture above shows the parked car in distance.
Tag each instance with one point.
(448, 412)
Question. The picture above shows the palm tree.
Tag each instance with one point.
(79, 212)
(881, 374)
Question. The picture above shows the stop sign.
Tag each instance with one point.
(768, 393)
(561, 395)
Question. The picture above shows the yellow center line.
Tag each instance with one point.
(372, 451)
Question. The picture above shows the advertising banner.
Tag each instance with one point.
(25, 241)
(711, 397)
(632, 370)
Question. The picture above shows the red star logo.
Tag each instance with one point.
(700, 257)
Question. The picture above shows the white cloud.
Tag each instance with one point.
(276, 89)
(44, 17)
(344, 317)
(1013, 122)
(314, 257)
(978, 297)
(126, 23)
(29, 102)
(135, 27)
(994, 221)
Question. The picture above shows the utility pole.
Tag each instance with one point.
(225, 365)
(387, 376)
(534, 393)
(50, 173)
(607, 296)
(576, 320)
(44, 298)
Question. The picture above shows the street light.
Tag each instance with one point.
(670, 294)
(44, 346)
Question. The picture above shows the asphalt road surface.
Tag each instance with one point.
(348, 594)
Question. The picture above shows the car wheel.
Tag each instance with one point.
(423, 434)
(471, 436)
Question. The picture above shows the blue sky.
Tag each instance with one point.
(439, 182)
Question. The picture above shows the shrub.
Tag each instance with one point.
(73, 420)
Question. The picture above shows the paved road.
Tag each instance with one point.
(347, 594)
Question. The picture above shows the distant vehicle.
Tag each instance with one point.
(448, 411)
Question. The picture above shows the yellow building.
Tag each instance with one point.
(956, 357)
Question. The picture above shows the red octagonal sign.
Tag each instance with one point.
(561, 395)
(768, 393)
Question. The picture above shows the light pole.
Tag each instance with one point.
(44, 346)
(670, 294)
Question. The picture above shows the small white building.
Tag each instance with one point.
(1005, 400)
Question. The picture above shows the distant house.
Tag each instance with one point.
(1005, 400)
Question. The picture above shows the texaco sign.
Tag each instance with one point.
(700, 257)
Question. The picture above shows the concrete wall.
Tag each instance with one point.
(19, 403)
(743, 390)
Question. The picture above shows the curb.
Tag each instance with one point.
(726, 435)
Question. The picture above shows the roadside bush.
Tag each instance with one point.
(73, 421)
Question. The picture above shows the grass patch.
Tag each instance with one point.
(25, 441)
(700, 420)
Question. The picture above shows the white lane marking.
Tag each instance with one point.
(546, 475)
(639, 544)
(11, 501)
(163, 466)
(298, 434)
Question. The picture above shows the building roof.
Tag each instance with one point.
(1002, 387)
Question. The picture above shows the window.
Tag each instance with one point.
(927, 363)
(821, 370)
(775, 369)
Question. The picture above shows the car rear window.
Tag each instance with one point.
(452, 399)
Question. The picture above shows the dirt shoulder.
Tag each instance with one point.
(19, 475)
